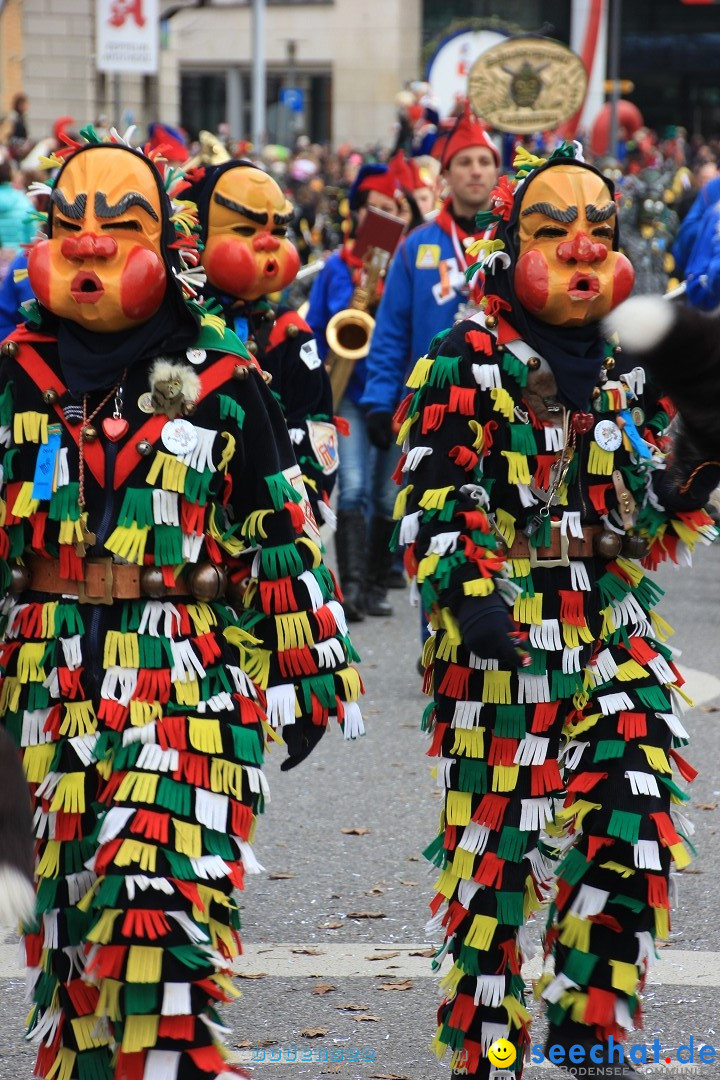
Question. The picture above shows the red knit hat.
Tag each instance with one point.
(373, 178)
(408, 174)
(468, 131)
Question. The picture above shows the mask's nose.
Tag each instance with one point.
(266, 242)
(88, 246)
(581, 249)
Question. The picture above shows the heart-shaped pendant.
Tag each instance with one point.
(114, 427)
(582, 422)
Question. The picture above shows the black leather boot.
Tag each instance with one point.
(350, 549)
(569, 1034)
(379, 564)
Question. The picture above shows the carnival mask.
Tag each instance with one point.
(247, 253)
(567, 272)
(103, 265)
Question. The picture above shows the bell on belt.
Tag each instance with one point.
(607, 544)
(207, 582)
(152, 583)
(89, 433)
(635, 547)
(19, 579)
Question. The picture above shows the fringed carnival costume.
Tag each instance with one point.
(168, 614)
(244, 218)
(536, 491)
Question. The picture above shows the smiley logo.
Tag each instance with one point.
(502, 1053)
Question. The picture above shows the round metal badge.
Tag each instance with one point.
(196, 356)
(145, 403)
(179, 437)
(607, 435)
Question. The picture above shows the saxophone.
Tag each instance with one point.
(349, 331)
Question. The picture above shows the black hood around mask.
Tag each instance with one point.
(574, 353)
(94, 361)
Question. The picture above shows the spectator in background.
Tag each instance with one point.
(366, 489)
(19, 142)
(13, 293)
(17, 224)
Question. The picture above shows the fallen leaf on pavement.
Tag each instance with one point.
(706, 806)
(366, 1019)
(246, 1043)
(375, 891)
(313, 1033)
(251, 974)
(323, 988)
(384, 956)
(691, 870)
(355, 830)
(406, 984)
(413, 858)
(280, 876)
(308, 952)
(387, 1076)
(351, 1007)
(709, 708)
(366, 915)
(329, 925)
(408, 882)
(424, 952)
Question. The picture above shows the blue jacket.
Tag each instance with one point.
(702, 270)
(688, 234)
(12, 295)
(332, 291)
(17, 225)
(410, 313)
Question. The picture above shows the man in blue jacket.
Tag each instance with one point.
(426, 285)
(697, 250)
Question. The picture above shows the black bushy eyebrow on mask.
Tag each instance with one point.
(230, 204)
(74, 210)
(133, 198)
(283, 219)
(554, 212)
(600, 213)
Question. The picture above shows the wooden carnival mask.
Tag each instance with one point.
(247, 253)
(567, 272)
(102, 266)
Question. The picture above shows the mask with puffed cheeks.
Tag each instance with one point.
(102, 266)
(247, 253)
(567, 272)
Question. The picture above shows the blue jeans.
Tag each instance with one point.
(365, 474)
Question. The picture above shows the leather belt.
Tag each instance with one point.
(561, 549)
(104, 581)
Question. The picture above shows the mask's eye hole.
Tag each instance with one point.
(605, 231)
(70, 226)
(279, 232)
(133, 226)
(550, 231)
(244, 230)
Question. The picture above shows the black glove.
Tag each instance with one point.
(380, 429)
(485, 625)
(686, 486)
(301, 738)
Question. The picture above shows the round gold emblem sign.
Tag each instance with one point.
(527, 84)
